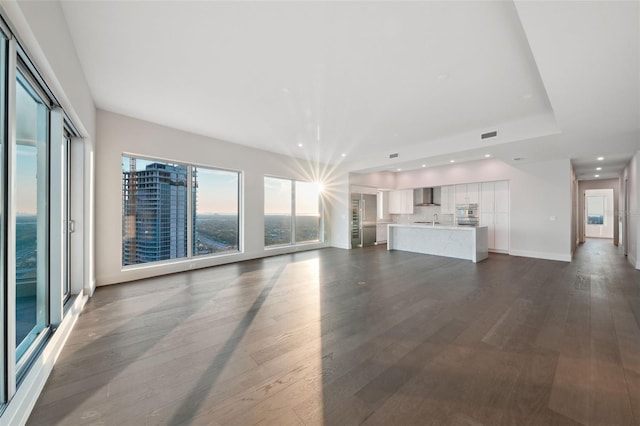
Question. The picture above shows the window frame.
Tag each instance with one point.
(190, 217)
(239, 195)
(293, 215)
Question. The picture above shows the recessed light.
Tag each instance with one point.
(600, 158)
(399, 169)
(598, 168)
(487, 155)
(300, 145)
(452, 161)
(443, 76)
(596, 175)
(424, 165)
(343, 154)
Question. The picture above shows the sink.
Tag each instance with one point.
(430, 223)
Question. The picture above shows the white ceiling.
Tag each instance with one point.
(367, 79)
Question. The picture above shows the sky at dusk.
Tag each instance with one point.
(218, 192)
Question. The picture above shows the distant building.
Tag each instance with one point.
(155, 213)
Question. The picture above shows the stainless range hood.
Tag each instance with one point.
(424, 197)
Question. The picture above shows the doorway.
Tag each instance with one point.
(599, 213)
(605, 209)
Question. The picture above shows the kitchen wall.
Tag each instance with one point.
(540, 200)
(423, 214)
(118, 134)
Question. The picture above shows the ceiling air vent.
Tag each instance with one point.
(393, 155)
(489, 135)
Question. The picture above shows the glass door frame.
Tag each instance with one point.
(24, 77)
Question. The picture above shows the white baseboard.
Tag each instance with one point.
(341, 246)
(633, 261)
(542, 255)
(498, 251)
(19, 408)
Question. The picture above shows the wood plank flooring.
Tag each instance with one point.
(364, 336)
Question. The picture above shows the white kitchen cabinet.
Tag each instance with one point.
(488, 219)
(401, 201)
(447, 202)
(383, 205)
(381, 233)
(502, 196)
(494, 213)
(467, 193)
(501, 230)
(487, 197)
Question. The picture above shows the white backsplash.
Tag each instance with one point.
(423, 214)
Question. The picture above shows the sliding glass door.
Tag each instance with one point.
(35, 142)
(31, 212)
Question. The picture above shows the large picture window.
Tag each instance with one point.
(216, 206)
(307, 206)
(154, 211)
(292, 212)
(157, 197)
(277, 211)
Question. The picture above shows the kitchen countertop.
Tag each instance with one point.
(437, 226)
(462, 242)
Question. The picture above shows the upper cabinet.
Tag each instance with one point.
(401, 201)
(447, 199)
(467, 193)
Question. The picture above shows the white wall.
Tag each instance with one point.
(42, 29)
(605, 230)
(380, 180)
(339, 207)
(631, 176)
(540, 200)
(118, 134)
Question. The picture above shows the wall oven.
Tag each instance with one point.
(467, 214)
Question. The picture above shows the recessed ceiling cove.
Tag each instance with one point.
(335, 77)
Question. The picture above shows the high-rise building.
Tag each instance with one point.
(155, 213)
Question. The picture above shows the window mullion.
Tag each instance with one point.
(190, 212)
(10, 294)
(293, 212)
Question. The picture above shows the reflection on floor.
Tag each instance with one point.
(367, 336)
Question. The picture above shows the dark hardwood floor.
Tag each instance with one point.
(367, 336)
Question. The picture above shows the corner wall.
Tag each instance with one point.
(631, 177)
(118, 134)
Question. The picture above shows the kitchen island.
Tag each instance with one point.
(462, 242)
